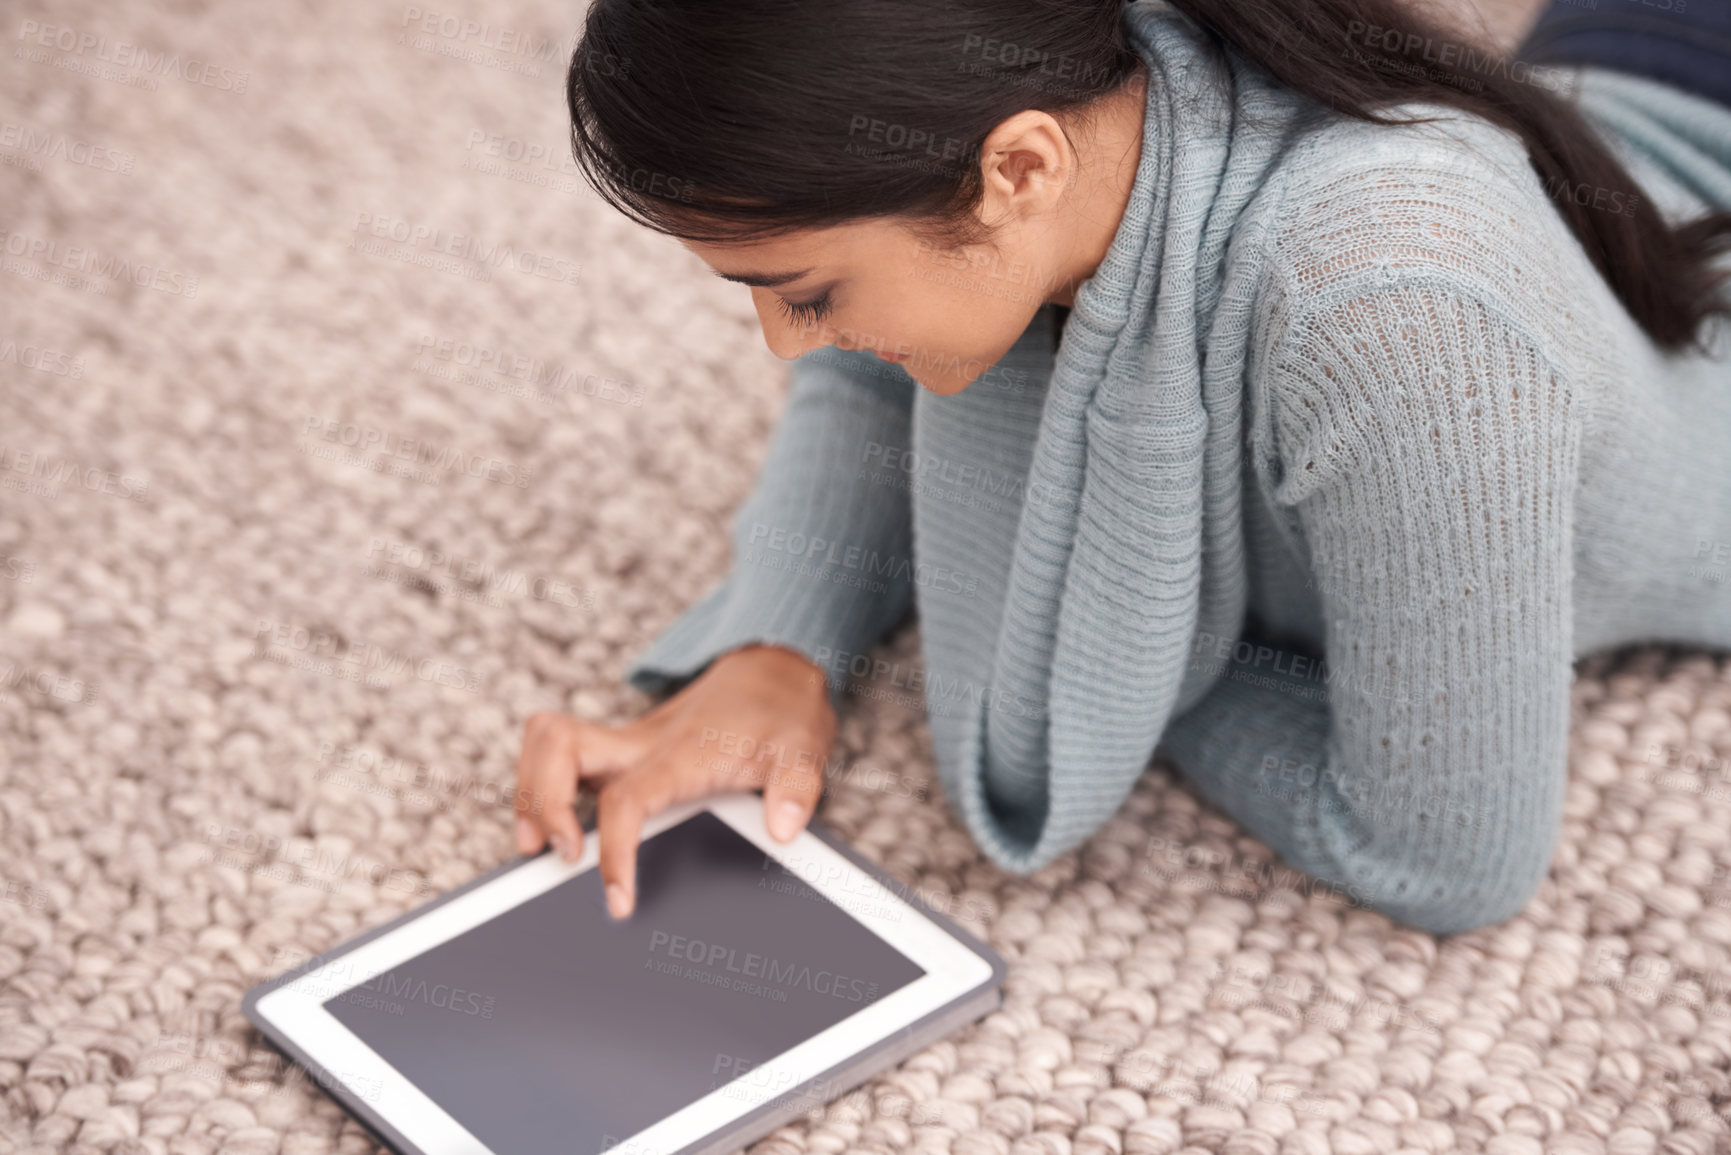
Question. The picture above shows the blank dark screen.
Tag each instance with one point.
(553, 1028)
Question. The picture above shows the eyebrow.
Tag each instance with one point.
(761, 280)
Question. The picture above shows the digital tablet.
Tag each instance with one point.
(753, 982)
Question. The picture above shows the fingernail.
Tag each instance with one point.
(618, 902)
(525, 835)
(785, 822)
(562, 847)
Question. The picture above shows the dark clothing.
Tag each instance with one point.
(1684, 43)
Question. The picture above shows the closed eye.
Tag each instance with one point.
(808, 313)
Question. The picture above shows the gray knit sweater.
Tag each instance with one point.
(1345, 454)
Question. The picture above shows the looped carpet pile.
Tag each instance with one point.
(341, 429)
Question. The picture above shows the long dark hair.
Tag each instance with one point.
(718, 120)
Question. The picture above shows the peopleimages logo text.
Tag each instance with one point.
(465, 246)
(855, 557)
(757, 966)
(88, 262)
(443, 459)
(82, 42)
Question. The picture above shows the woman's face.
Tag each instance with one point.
(946, 316)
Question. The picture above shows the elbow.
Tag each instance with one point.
(1455, 896)
(1473, 861)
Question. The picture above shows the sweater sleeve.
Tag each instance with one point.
(1431, 457)
(802, 540)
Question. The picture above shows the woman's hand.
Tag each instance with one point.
(757, 716)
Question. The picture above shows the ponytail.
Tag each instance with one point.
(1354, 56)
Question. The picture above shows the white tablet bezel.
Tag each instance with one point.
(952, 971)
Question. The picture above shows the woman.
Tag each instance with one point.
(1287, 384)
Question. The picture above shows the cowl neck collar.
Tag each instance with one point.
(1130, 538)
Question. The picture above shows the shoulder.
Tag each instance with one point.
(1410, 274)
(1452, 202)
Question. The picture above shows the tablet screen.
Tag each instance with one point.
(553, 1028)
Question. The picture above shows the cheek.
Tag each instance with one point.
(952, 327)
(955, 320)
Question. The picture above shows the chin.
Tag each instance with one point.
(943, 384)
(947, 373)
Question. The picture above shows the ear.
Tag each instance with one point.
(1026, 163)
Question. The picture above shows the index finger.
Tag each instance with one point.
(621, 809)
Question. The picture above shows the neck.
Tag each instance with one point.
(1108, 178)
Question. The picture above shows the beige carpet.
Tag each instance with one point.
(245, 714)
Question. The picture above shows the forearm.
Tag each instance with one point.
(796, 579)
(1422, 768)
(1434, 840)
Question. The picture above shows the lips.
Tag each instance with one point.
(893, 358)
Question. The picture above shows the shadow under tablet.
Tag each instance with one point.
(554, 1028)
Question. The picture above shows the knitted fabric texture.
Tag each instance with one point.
(1353, 386)
(189, 806)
